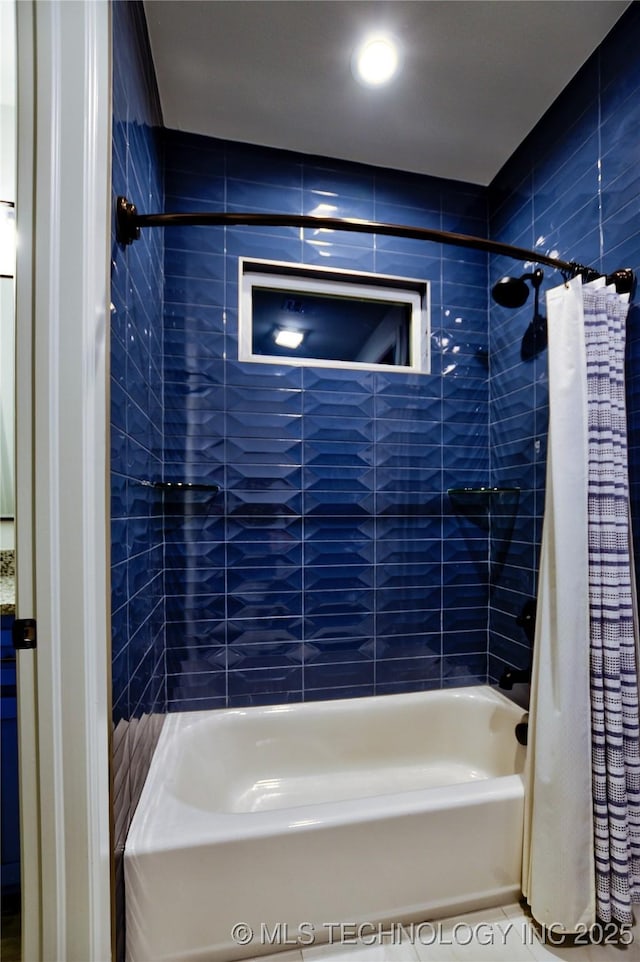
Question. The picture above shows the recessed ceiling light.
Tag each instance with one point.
(376, 60)
(287, 338)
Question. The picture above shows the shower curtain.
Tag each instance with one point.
(582, 806)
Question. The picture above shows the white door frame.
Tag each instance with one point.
(62, 311)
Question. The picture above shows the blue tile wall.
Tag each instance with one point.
(571, 187)
(333, 564)
(137, 425)
(136, 382)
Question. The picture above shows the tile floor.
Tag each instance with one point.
(503, 934)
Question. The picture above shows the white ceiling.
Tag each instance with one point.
(476, 77)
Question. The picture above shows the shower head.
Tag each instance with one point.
(513, 291)
(510, 292)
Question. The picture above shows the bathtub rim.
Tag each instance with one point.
(184, 825)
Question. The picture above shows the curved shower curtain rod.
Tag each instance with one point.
(129, 222)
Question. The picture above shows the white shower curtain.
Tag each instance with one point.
(559, 865)
(558, 868)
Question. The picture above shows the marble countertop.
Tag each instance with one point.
(7, 582)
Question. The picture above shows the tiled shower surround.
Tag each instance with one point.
(137, 538)
(137, 526)
(572, 187)
(333, 562)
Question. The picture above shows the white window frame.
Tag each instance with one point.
(287, 276)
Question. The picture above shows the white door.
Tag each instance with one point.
(62, 311)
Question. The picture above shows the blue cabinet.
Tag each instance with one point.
(9, 802)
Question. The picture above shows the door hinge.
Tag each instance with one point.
(25, 634)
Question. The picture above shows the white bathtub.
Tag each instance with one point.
(398, 807)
